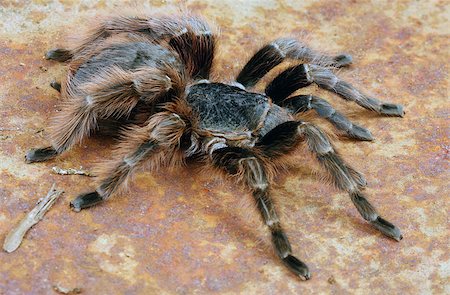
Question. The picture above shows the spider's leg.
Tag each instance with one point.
(40, 154)
(56, 85)
(196, 49)
(190, 36)
(286, 136)
(59, 54)
(235, 160)
(302, 75)
(297, 77)
(270, 55)
(156, 141)
(303, 103)
(326, 79)
(113, 93)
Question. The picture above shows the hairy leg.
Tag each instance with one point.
(303, 103)
(285, 137)
(276, 52)
(58, 54)
(113, 93)
(190, 36)
(56, 85)
(236, 160)
(326, 79)
(155, 142)
(302, 75)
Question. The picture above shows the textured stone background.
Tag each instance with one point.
(181, 232)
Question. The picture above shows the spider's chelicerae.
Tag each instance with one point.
(147, 79)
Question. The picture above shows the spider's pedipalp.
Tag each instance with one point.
(272, 54)
(242, 162)
(303, 103)
(326, 79)
(286, 137)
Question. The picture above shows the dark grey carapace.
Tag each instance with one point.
(147, 81)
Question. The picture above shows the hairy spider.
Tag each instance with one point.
(147, 79)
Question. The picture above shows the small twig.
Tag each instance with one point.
(15, 236)
(71, 171)
(10, 129)
(64, 290)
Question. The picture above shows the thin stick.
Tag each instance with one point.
(71, 171)
(15, 236)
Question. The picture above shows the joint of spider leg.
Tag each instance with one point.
(180, 33)
(88, 100)
(323, 76)
(202, 81)
(129, 162)
(310, 98)
(207, 33)
(215, 144)
(307, 73)
(193, 146)
(280, 52)
(168, 83)
(237, 84)
(100, 191)
(316, 139)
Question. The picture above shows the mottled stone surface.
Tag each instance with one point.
(181, 232)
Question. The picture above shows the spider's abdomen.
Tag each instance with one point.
(227, 109)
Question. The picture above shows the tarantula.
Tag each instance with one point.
(147, 79)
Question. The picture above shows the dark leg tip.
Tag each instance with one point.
(360, 133)
(343, 60)
(56, 85)
(387, 228)
(85, 201)
(298, 267)
(58, 55)
(40, 155)
(391, 109)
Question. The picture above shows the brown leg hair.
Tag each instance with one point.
(190, 36)
(155, 143)
(112, 94)
(239, 161)
(286, 137)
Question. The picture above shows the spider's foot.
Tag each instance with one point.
(360, 133)
(56, 85)
(58, 54)
(391, 109)
(85, 200)
(298, 267)
(387, 228)
(40, 155)
(342, 60)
